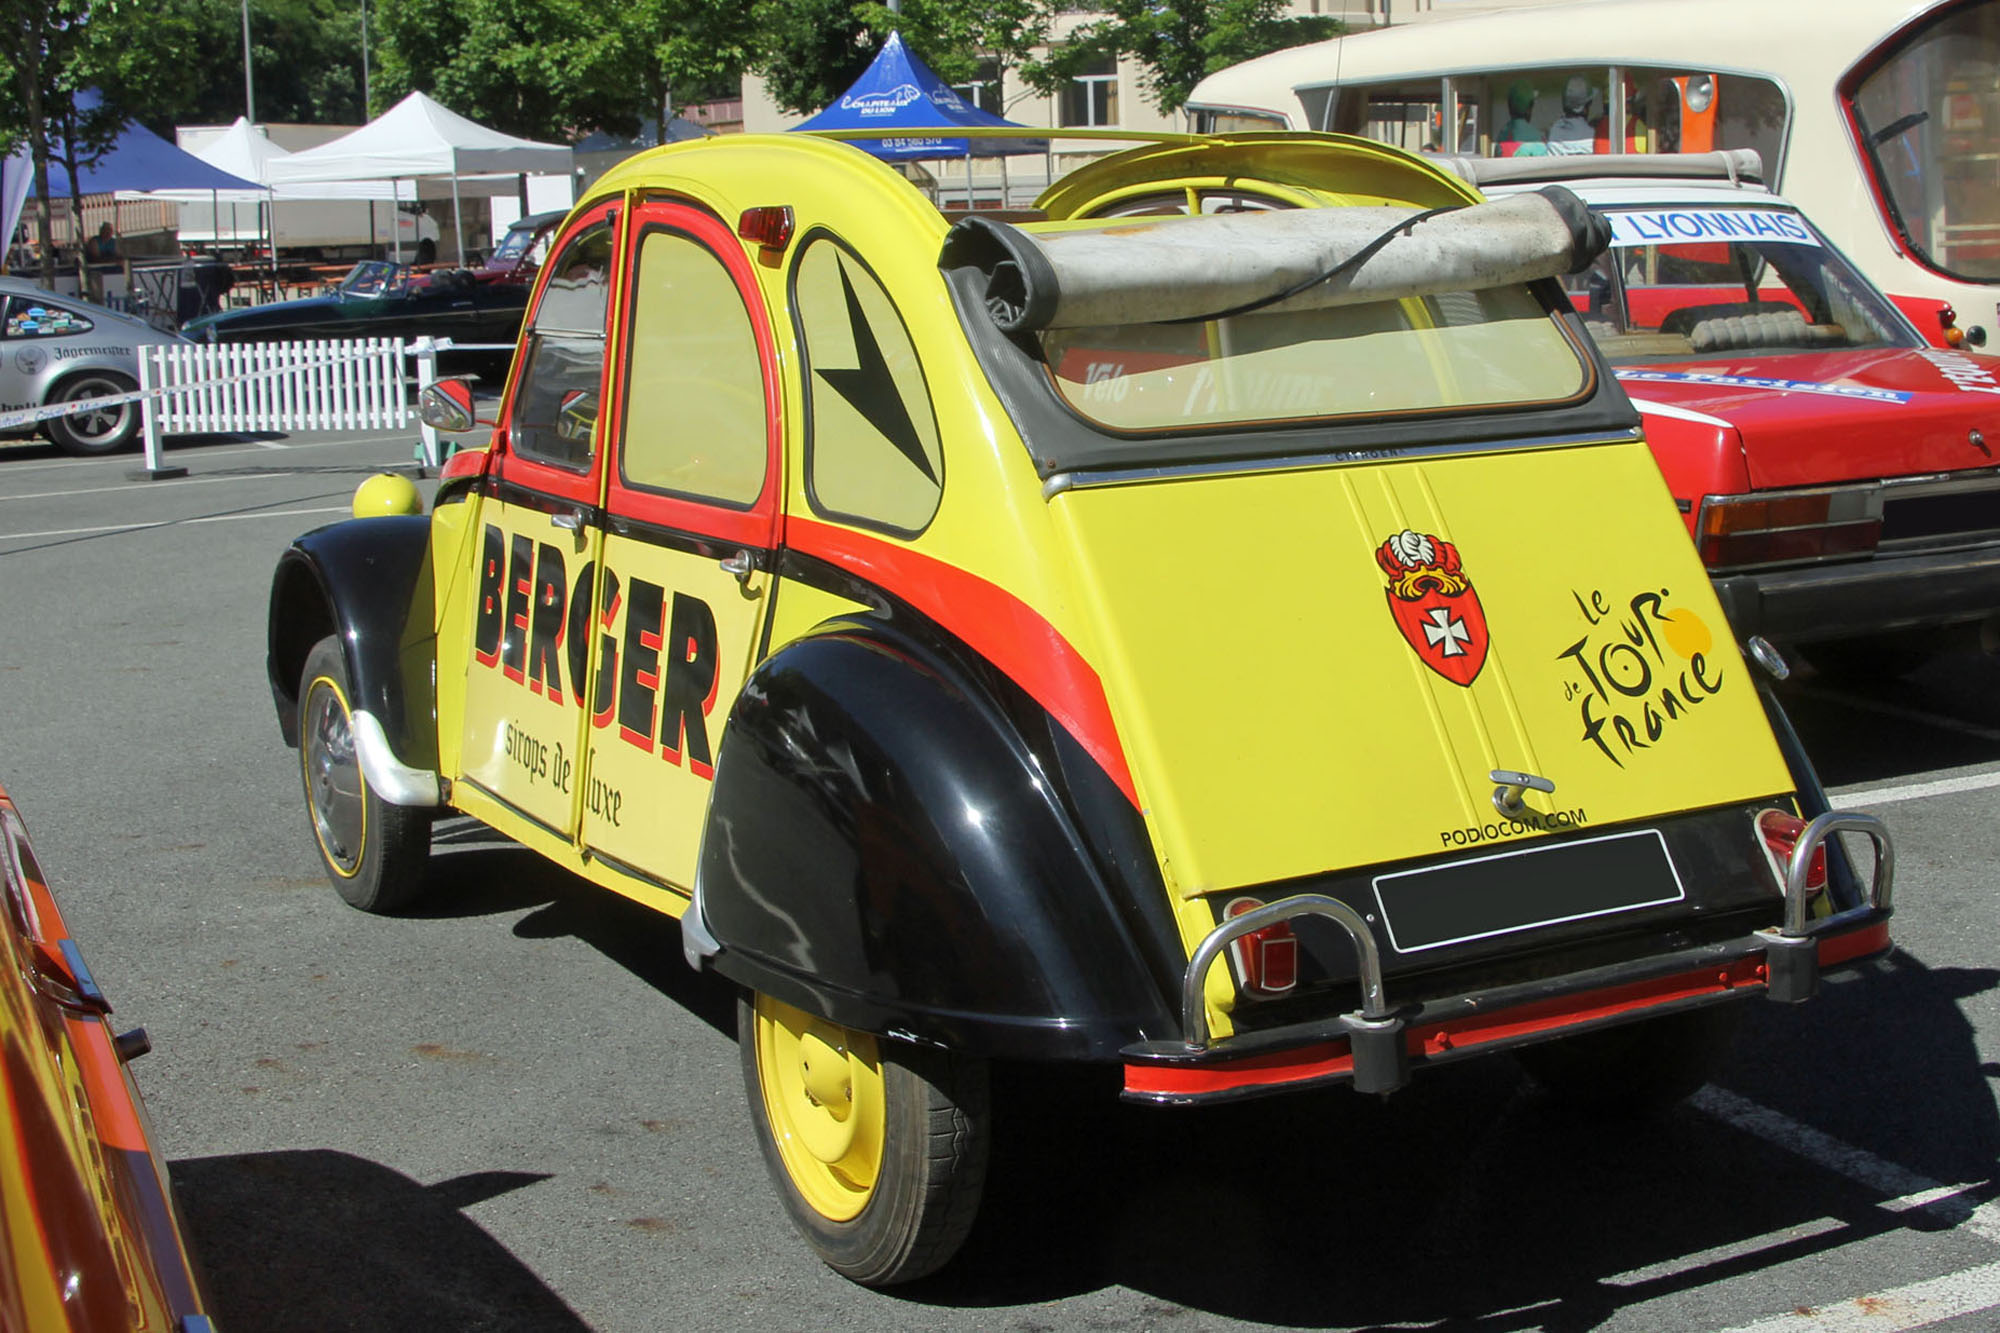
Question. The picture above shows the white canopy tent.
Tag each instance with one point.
(244, 150)
(420, 138)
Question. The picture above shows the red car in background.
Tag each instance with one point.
(92, 1241)
(1838, 474)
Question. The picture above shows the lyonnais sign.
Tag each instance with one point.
(1678, 226)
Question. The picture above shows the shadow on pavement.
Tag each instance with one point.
(1471, 1201)
(321, 1240)
(1468, 1201)
(477, 872)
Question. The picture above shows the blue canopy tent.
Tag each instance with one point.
(898, 91)
(142, 160)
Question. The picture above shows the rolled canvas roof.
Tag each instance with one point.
(1163, 269)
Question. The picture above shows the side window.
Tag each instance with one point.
(1548, 112)
(556, 403)
(695, 422)
(872, 456)
(1407, 113)
(32, 318)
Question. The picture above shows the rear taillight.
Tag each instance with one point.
(1786, 528)
(1781, 831)
(1267, 960)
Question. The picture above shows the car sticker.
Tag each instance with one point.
(1674, 226)
(1641, 667)
(1859, 391)
(1434, 605)
(1530, 821)
(1652, 407)
(1965, 374)
(656, 677)
(31, 359)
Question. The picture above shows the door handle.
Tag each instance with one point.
(570, 520)
(743, 564)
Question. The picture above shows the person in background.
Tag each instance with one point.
(1572, 133)
(1519, 137)
(103, 247)
(100, 256)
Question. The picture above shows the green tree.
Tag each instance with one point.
(549, 68)
(78, 70)
(1178, 41)
(809, 51)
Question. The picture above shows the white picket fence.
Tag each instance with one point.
(356, 384)
(350, 384)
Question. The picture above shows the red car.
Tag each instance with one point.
(92, 1241)
(1838, 474)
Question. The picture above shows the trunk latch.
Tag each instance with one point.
(1507, 794)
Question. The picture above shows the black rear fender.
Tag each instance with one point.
(899, 839)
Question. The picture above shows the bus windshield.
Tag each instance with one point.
(1928, 117)
(1683, 281)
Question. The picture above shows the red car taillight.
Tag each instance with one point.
(1267, 960)
(1736, 530)
(1781, 832)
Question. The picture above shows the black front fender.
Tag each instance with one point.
(367, 580)
(893, 845)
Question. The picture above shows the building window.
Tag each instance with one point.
(983, 91)
(1091, 99)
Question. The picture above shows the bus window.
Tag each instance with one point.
(1928, 117)
(1236, 122)
(1695, 111)
(1539, 112)
(1408, 114)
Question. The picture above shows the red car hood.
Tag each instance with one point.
(1807, 418)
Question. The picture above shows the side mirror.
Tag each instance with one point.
(446, 405)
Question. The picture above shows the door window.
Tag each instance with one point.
(556, 403)
(695, 418)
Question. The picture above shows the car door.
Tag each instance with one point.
(690, 527)
(538, 551)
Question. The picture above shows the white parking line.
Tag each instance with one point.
(99, 490)
(1966, 1292)
(1861, 797)
(15, 468)
(172, 523)
(1907, 1189)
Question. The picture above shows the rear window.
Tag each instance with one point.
(1461, 350)
(1686, 280)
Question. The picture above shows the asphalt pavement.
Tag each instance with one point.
(519, 1110)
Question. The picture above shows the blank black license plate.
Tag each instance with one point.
(1520, 890)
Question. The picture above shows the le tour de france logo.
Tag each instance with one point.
(1434, 604)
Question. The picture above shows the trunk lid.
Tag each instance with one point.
(1808, 419)
(1322, 668)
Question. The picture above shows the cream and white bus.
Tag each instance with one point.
(1880, 118)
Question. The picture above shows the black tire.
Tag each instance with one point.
(1871, 659)
(1638, 1069)
(100, 431)
(375, 853)
(923, 1182)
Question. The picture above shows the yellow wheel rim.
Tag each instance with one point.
(822, 1087)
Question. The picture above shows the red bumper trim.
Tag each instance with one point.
(1328, 1059)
